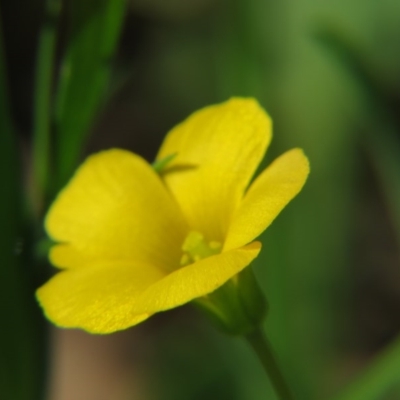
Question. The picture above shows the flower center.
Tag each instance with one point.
(195, 248)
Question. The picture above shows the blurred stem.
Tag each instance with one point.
(21, 347)
(42, 104)
(261, 346)
(376, 380)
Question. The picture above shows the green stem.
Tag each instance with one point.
(261, 346)
(42, 103)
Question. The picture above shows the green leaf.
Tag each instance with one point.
(94, 30)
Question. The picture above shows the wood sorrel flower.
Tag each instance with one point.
(133, 242)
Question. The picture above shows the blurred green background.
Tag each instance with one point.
(78, 76)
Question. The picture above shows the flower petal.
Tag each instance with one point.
(218, 150)
(116, 208)
(98, 298)
(108, 297)
(267, 196)
(195, 280)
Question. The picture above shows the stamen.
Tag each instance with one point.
(195, 248)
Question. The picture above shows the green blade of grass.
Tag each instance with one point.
(376, 380)
(94, 29)
(20, 369)
(42, 106)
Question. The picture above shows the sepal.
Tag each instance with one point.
(238, 307)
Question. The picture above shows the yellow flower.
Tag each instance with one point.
(132, 242)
